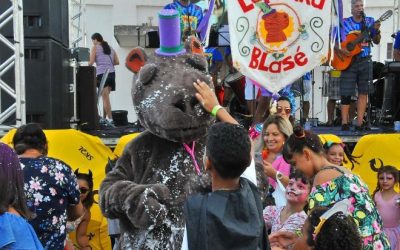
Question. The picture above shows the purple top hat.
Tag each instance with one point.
(170, 33)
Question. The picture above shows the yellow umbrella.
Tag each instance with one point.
(122, 143)
(83, 151)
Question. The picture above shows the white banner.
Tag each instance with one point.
(275, 42)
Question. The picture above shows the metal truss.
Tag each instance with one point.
(15, 62)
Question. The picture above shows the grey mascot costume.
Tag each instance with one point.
(159, 168)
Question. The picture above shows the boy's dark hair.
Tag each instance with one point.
(353, 159)
(228, 149)
(88, 202)
(299, 140)
(30, 136)
(389, 170)
(12, 183)
(338, 232)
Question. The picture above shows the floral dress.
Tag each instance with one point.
(50, 187)
(350, 186)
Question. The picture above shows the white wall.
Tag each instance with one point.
(102, 15)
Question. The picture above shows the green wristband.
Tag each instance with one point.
(215, 110)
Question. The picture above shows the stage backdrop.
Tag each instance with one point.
(275, 42)
(83, 151)
(376, 151)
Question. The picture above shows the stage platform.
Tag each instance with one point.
(110, 136)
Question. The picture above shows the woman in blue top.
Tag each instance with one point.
(15, 231)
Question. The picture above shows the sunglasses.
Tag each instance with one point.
(83, 190)
(279, 109)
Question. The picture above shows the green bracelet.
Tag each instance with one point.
(215, 110)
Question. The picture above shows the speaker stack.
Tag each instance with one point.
(47, 71)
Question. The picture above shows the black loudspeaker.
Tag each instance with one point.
(42, 19)
(47, 80)
(153, 39)
(87, 98)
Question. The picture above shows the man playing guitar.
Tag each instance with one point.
(359, 73)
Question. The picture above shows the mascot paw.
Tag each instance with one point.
(151, 209)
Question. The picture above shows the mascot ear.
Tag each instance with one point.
(193, 46)
(90, 174)
(147, 73)
(136, 59)
(76, 171)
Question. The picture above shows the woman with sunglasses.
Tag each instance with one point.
(284, 109)
(85, 182)
(51, 188)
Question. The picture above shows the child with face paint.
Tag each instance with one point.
(335, 153)
(388, 203)
(291, 217)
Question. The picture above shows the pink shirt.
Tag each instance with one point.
(279, 165)
(389, 210)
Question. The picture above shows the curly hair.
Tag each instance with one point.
(228, 149)
(338, 232)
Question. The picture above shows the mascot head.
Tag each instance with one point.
(162, 92)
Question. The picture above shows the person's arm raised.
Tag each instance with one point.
(207, 98)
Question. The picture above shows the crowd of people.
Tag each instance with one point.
(313, 201)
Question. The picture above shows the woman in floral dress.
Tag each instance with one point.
(333, 183)
(51, 188)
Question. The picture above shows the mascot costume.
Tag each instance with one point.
(160, 167)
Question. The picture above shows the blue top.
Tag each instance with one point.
(16, 233)
(351, 26)
(397, 41)
(191, 16)
(50, 188)
(213, 55)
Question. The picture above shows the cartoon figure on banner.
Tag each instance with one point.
(278, 27)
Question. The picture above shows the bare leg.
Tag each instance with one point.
(250, 106)
(331, 110)
(345, 114)
(361, 107)
(352, 110)
(105, 94)
(306, 109)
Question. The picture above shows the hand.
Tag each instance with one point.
(150, 209)
(282, 239)
(342, 52)
(205, 95)
(269, 170)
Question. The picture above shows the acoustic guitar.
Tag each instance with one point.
(353, 44)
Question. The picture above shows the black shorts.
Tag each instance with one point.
(110, 82)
